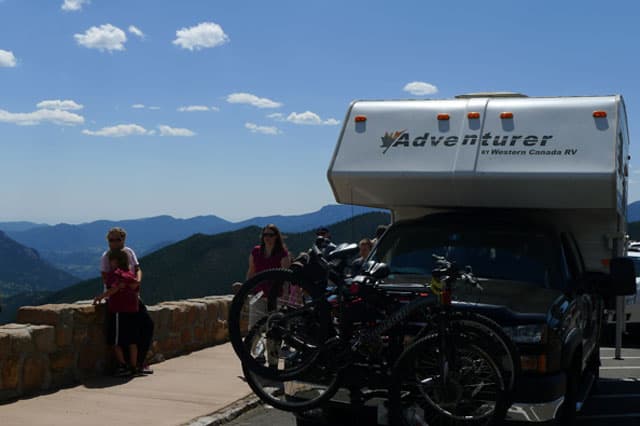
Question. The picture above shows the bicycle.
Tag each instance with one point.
(332, 329)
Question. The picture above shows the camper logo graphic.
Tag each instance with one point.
(389, 139)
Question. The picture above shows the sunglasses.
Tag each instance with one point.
(268, 234)
(115, 240)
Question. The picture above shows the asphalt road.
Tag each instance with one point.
(616, 401)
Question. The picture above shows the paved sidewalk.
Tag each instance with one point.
(181, 389)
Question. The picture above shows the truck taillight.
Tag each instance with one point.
(599, 114)
(443, 117)
(506, 115)
(473, 115)
(360, 118)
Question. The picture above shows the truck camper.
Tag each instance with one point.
(531, 192)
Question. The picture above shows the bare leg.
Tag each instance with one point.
(119, 355)
(133, 355)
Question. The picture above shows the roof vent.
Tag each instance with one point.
(491, 95)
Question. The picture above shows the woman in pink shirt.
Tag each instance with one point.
(271, 253)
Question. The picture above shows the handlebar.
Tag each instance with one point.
(449, 272)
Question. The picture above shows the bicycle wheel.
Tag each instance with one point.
(292, 318)
(490, 336)
(310, 389)
(462, 388)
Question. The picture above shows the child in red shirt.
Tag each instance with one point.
(122, 302)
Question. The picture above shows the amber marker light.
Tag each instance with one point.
(443, 117)
(360, 118)
(599, 114)
(473, 115)
(505, 115)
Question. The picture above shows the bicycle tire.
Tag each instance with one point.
(491, 335)
(309, 318)
(497, 341)
(414, 400)
(315, 386)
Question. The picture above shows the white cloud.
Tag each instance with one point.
(201, 36)
(105, 37)
(266, 130)
(119, 131)
(420, 88)
(7, 59)
(175, 131)
(248, 98)
(55, 116)
(73, 5)
(67, 105)
(310, 118)
(278, 116)
(136, 31)
(197, 108)
(143, 106)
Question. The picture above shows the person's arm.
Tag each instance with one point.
(104, 279)
(251, 271)
(138, 274)
(106, 294)
(285, 262)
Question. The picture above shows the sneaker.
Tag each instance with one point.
(122, 371)
(145, 369)
(135, 371)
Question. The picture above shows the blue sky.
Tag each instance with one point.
(263, 88)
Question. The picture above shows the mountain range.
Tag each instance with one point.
(204, 265)
(76, 249)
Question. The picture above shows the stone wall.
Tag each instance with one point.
(52, 346)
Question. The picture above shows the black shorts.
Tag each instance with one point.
(123, 328)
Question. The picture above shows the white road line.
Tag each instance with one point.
(633, 367)
(623, 358)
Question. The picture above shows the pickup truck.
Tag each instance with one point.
(529, 192)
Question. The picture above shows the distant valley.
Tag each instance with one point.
(66, 254)
(24, 275)
(208, 264)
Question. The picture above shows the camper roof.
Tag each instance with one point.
(483, 150)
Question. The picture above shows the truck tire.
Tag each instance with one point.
(593, 366)
(567, 414)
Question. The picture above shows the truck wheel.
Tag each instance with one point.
(567, 414)
(593, 366)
